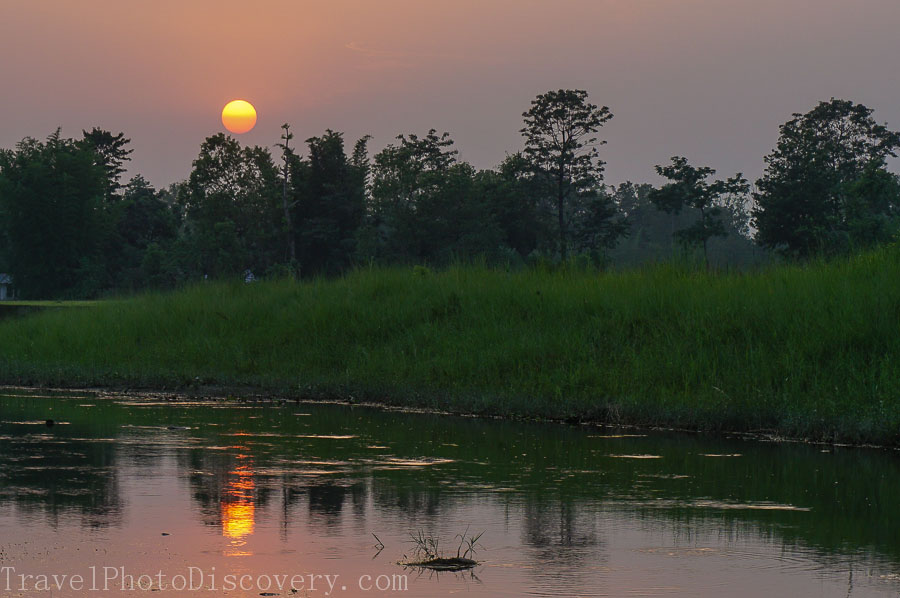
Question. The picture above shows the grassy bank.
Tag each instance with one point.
(803, 351)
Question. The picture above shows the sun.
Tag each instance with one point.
(239, 116)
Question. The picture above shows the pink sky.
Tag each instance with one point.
(709, 79)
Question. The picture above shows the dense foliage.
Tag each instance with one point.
(688, 187)
(826, 189)
(70, 227)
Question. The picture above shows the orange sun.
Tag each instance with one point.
(239, 116)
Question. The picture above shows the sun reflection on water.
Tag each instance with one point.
(238, 520)
(238, 506)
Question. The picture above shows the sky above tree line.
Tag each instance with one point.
(708, 79)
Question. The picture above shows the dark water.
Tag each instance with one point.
(291, 490)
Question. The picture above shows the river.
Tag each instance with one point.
(237, 498)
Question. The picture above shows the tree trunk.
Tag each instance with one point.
(705, 238)
(705, 254)
(292, 244)
(560, 201)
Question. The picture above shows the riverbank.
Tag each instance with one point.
(805, 352)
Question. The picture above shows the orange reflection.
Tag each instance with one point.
(238, 508)
(238, 520)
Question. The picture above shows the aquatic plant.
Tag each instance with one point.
(427, 553)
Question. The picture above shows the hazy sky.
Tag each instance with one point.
(708, 79)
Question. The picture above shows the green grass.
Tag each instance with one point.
(804, 351)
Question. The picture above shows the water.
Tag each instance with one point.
(282, 492)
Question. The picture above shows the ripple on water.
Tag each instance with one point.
(661, 503)
(398, 463)
(300, 471)
(320, 462)
(748, 558)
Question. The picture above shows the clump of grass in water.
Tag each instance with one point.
(427, 553)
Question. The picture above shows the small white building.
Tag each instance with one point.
(6, 290)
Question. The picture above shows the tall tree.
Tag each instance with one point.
(331, 203)
(804, 198)
(52, 196)
(406, 177)
(287, 156)
(690, 187)
(598, 225)
(111, 153)
(518, 205)
(561, 146)
(232, 205)
(651, 232)
(145, 222)
(873, 207)
(428, 206)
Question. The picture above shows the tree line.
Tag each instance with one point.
(69, 226)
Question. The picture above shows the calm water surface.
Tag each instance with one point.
(229, 488)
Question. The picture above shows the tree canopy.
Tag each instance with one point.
(809, 197)
(52, 194)
(561, 146)
(690, 188)
(72, 226)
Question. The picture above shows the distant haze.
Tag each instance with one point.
(708, 79)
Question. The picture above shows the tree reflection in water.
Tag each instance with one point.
(555, 488)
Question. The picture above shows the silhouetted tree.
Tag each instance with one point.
(561, 147)
(690, 188)
(652, 231)
(111, 154)
(518, 204)
(288, 156)
(598, 224)
(145, 222)
(52, 196)
(427, 206)
(331, 203)
(808, 199)
(232, 205)
(407, 181)
(873, 207)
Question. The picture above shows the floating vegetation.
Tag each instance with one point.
(427, 553)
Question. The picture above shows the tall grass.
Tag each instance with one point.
(811, 351)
